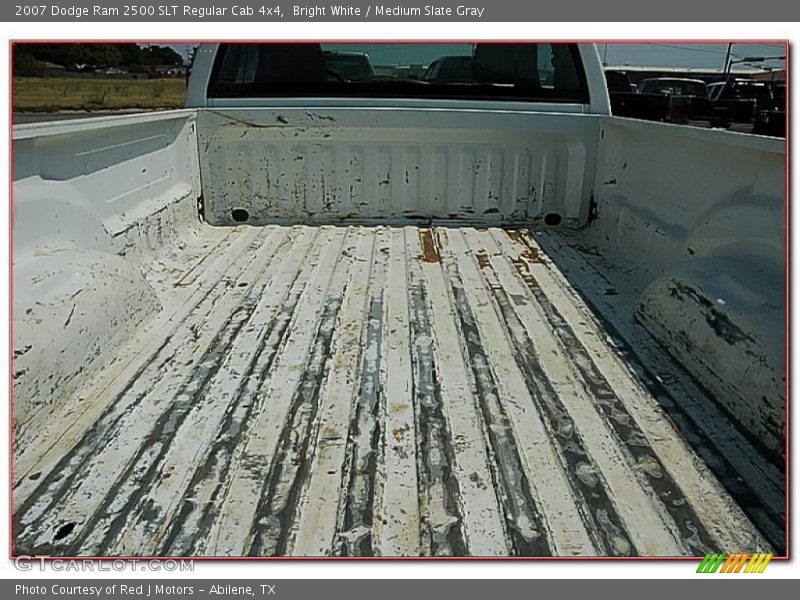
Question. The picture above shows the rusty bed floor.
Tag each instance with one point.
(367, 391)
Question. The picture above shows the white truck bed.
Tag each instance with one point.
(366, 391)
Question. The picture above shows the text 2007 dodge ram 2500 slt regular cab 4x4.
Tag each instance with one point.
(388, 316)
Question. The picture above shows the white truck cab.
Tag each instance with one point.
(200, 91)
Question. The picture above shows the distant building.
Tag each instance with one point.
(49, 69)
(114, 71)
(708, 74)
(169, 71)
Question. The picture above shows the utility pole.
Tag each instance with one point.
(727, 66)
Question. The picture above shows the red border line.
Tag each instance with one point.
(181, 41)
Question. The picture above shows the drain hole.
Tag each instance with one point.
(64, 531)
(240, 215)
(552, 219)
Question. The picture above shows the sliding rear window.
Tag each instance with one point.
(519, 72)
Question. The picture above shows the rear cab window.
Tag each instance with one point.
(518, 72)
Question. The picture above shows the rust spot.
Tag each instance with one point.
(524, 272)
(430, 253)
(515, 234)
(531, 252)
(483, 260)
(330, 433)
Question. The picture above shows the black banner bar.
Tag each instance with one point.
(264, 589)
(406, 10)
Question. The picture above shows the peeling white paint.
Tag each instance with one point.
(181, 387)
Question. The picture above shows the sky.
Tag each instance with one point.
(686, 55)
(655, 54)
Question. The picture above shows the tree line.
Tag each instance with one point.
(29, 59)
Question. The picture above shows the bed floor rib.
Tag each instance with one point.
(368, 391)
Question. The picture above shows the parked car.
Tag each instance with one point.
(715, 89)
(689, 101)
(765, 102)
(772, 120)
(618, 81)
(627, 102)
(352, 66)
(450, 69)
(674, 87)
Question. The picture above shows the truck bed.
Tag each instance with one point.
(366, 391)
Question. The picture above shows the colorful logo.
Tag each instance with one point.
(734, 563)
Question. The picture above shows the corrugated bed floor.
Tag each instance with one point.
(367, 391)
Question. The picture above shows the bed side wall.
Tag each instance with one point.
(697, 218)
(93, 202)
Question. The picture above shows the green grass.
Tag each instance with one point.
(37, 94)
